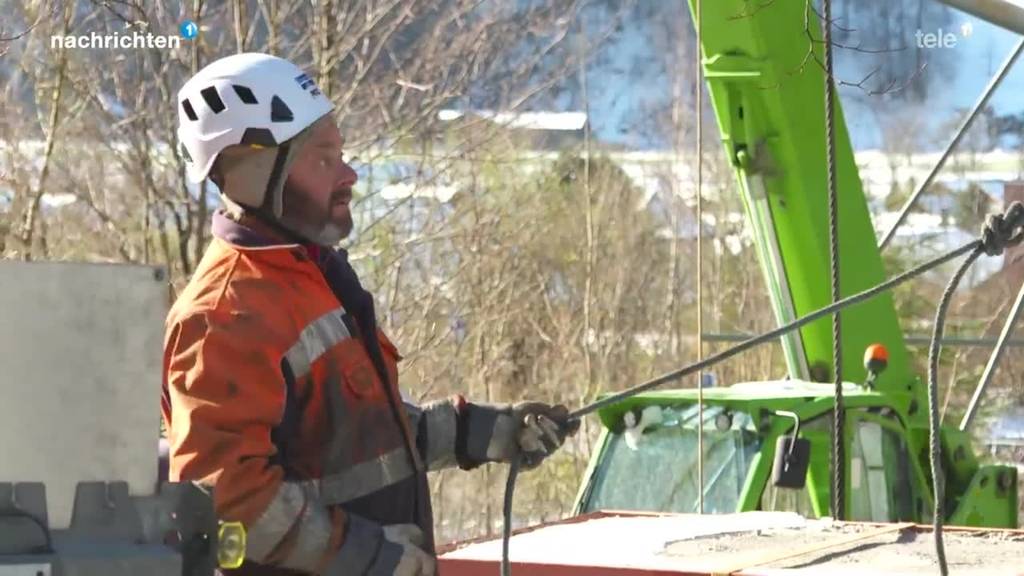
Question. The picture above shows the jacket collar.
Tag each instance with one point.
(247, 232)
(256, 238)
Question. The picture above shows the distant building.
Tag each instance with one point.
(538, 131)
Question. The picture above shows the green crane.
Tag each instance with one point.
(768, 95)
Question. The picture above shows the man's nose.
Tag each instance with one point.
(348, 175)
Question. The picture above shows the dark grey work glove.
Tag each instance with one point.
(498, 433)
(374, 550)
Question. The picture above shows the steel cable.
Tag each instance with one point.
(506, 529)
(1000, 231)
(934, 439)
(839, 412)
(774, 333)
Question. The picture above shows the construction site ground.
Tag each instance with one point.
(747, 544)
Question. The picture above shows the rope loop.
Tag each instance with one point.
(1002, 231)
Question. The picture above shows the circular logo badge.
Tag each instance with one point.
(189, 30)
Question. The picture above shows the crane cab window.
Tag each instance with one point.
(657, 470)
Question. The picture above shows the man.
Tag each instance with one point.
(280, 391)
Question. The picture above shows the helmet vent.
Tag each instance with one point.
(184, 152)
(187, 107)
(212, 99)
(244, 94)
(258, 137)
(279, 111)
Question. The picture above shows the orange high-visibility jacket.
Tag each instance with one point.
(271, 398)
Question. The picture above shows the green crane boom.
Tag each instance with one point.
(767, 88)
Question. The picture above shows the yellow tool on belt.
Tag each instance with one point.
(230, 545)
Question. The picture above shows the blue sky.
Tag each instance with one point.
(977, 58)
(619, 88)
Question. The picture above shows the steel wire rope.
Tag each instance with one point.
(999, 232)
(839, 412)
(934, 447)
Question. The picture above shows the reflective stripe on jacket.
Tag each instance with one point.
(271, 398)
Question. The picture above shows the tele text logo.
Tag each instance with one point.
(943, 38)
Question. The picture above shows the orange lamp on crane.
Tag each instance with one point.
(876, 359)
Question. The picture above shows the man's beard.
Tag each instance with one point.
(313, 222)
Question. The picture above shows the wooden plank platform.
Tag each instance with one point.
(745, 544)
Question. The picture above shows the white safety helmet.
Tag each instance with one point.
(250, 99)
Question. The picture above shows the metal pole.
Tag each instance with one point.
(700, 258)
(993, 360)
(1003, 13)
(978, 106)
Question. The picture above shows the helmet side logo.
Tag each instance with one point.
(307, 84)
